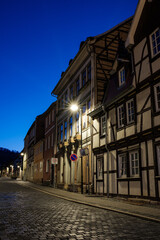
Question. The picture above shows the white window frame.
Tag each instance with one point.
(134, 163)
(119, 117)
(156, 44)
(122, 166)
(158, 159)
(122, 78)
(156, 98)
(129, 112)
(99, 167)
(103, 125)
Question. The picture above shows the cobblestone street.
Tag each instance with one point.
(29, 214)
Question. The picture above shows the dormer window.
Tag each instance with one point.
(121, 76)
(155, 42)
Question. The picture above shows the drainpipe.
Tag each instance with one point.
(106, 147)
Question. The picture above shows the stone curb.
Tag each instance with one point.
(144, 217)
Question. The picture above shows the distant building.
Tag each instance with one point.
(28, 158)
(49, 174)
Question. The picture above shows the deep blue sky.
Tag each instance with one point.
(37, 40)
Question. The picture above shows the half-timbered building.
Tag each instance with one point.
(83, 83)
(126, 145)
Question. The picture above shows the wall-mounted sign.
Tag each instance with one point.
(73, 157)
(54, 160)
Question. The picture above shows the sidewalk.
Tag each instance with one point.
(133, 207)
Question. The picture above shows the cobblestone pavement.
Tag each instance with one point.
(27, 214)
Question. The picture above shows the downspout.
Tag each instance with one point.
(106, 147)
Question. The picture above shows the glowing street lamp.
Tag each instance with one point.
(74, 107)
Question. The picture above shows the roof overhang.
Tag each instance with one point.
(130, 39)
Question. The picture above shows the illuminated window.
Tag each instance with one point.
(84, 116)
(77, 122)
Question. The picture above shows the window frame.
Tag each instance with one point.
(84, 80)
(70, 126)
(61, 132)
(135, 167)
(120, 162)
(89, 73)
(77, 86)
(156, 45)
(156, 98)
(103, 129)
(127, 113)
(65, 129)
(122, 78)
(118, 117)
(84, 120)
(158, 158)
(100, 170)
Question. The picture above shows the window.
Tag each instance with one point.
(155, 42)
(130, 111)
(84, 116)
(122, 164)
(89, 72)
(120, 116)
(71, 92)
(103, 125)
(47, 165)
(41, 166)
(134, 163)
(83, 78)
(121, 76)
(66, 97)
(62, 132)
(58, 136)
(157, 96)
(99, 167)
(88, 110)
(65, 130)
(158, 159)
(70, 126)
(77, 86)
(77, 122)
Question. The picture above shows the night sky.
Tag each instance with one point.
(37, 40)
